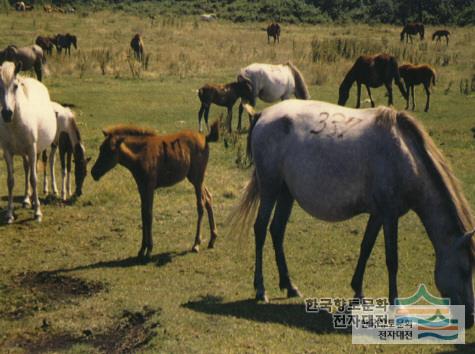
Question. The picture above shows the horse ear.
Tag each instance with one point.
(18, 66)
(106, 134)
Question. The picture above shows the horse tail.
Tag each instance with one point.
(213, 135)
(301, 90)
(439, 169)
(243, 215)
(433, 76)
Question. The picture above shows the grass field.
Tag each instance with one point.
(95, 298)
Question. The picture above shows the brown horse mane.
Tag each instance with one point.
(76, 129)
(129, 130)
(436, 164)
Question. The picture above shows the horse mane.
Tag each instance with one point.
(129, 130)
(74, 124)
(437, 166)
(301, 89)
(7, 73)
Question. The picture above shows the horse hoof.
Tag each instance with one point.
(26, 204)
(10, 219)
(195, 249)
(293, 292)
(262, 297)
(359, 296)
(38, 218)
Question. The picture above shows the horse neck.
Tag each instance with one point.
(439, 217)
(348, 80)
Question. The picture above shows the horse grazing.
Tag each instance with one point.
(46, 43)
(272, 83)
(208, 17)
(27, 128)
(371, 71)
(339, 162)
(224, 96)
(415, 75)
(31, 57)
(439, 34)
(64, 41)
(160, 161)
(68, 140)
(137, 46)
(273, 30)
(412, 29)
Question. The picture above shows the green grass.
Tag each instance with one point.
(204, 297)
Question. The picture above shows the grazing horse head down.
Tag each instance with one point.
(338, 162)
(411, 29)
(371, 71)
(30, 57)
(413, 75)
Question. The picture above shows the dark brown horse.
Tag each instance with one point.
(137, 46)
(371, 71)
(412, 29)
(224, 96)
(64, 41)
(415, 75)
(439, 34)
(273, 30)
(46, 43)
(160, 161)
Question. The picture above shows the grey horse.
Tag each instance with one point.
(31, 58)
(339, 162)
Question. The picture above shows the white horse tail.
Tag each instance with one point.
(241, 218)
(439, 169)
(301, 89)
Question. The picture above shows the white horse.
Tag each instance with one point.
(339, 162)
(68, 139)
(27, 128)
(208, 17)
(272, 83)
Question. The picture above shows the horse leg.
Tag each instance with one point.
(146, 197)
(62, 159)
(209, 210)
(413, 98)
(206, 116)
(44, 161)
(200, 115)
(390, 93)
(38, 70)
(241, 109)
(427, 89)
(229, 118)
(200, 209)
(68, 174)
(26, 167)
(33, 181)
(277, 231)
(369, 94)
(390, 226)
(408, 94)
(52, 158)
(260, 230)
(10, 183)
(369, 238)
(358, 94)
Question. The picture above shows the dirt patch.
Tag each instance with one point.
(31, 292)
(130, 332)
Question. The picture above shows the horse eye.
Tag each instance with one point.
(15, 87)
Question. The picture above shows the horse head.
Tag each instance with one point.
(453, 275)
(9, 84)
(108, 155)
(73, 40)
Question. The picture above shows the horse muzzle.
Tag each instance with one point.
(7, 115)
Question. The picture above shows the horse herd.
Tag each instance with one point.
(336, 162)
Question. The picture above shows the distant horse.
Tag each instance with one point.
(412, 29)
(68, 140)
(273, 30)
(415, 75)
(64, 41)
(371, 71)
(160, 161)
(28, 127)
(439, 34)
(20, 6)
(339, 162)
(31, 57)
(137, 46)
(208, 17)
(225, 96)
(46, 43)
(272, 83)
